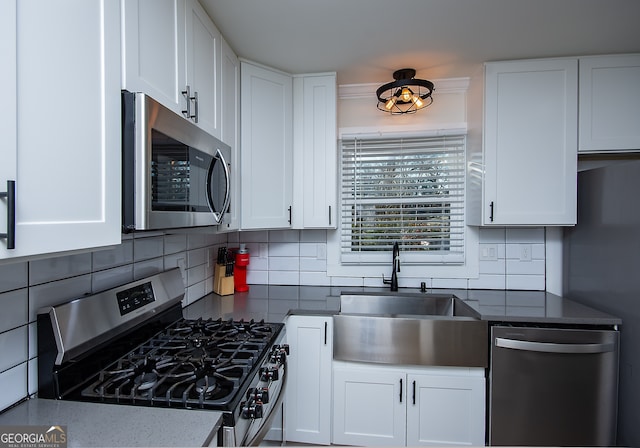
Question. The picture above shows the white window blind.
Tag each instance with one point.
(407, 190)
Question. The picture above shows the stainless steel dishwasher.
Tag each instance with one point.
(553, 387)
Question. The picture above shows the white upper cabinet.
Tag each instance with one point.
(8, 128)
(523, 157)
(289, 149)
(266, 108)
(203, 68)
(172, 53)
(154, 50)
(315, 151)
(62, 142)
(609, 103)
(230, 127)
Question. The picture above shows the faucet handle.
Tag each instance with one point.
(386, 281)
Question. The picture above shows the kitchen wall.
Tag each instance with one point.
(28, 285)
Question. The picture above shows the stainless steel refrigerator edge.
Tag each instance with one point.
(600, 269)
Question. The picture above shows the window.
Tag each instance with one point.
(405, 190)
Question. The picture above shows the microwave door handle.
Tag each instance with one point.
(227, 181)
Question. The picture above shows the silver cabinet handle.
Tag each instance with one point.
(195, 102)
(186, 93)
(10, 196)
(552, 347)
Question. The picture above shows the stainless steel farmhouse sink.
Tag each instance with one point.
(398, 304)
(408, 328)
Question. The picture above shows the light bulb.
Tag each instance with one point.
(417, 101)
(406, 94)
(390, 103)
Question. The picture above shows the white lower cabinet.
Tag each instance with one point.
(446, 409)
(308, 392)
(380, 406)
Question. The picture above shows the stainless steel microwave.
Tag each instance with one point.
(174, 173)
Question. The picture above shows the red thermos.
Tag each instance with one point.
(240, 273)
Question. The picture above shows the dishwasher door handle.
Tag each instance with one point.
(553, 347)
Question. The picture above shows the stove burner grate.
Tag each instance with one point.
(192, 363)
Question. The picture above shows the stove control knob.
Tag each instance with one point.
(284, 347)
(278, 355)
(251, 409)
(269, 374)
(259, 394)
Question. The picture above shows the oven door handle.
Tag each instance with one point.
(550, 347)
(266, 423)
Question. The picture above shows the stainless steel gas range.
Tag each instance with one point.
(131, 345)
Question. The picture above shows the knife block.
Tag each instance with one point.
(222, 284)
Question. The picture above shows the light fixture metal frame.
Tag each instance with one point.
(404, 78)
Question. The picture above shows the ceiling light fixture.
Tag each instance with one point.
(406, 94)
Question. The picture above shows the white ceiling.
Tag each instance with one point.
(364, 41)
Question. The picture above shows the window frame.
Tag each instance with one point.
(382, 198)
(413, 265)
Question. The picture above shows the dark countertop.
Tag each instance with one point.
(273, 303)
(107, 425)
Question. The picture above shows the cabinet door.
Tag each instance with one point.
(308, 399)
(609, 103)
(315, 151)
(8, 149)
(203, 67)
(530, 143)
(68, 126)
(369, 407)
(445, 410)
(267, 148)
(230, 127)
(154, 50)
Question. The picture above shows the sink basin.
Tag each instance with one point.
(394, 304)
(412, 329)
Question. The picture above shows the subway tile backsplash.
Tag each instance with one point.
(509, 259)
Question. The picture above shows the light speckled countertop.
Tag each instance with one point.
(272, 303)
(108, 425)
